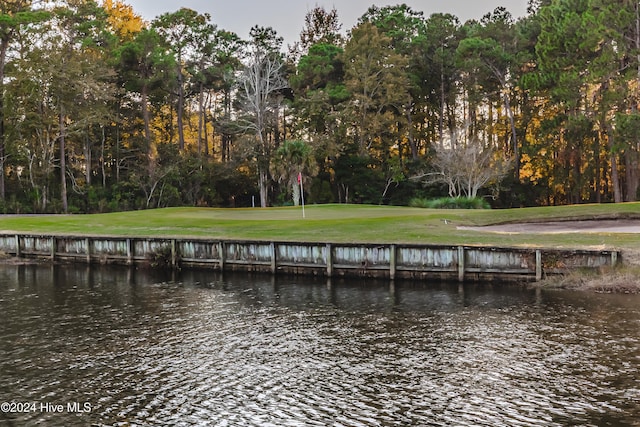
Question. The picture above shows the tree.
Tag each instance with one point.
(467, 167)
(616, 69)
(60, 88)
(320, 26)
(488, 56)
(78, 77)
(144, 65)
(122, 20)
(294, 161)
(186, 32)
(320, 98)
(262, 84)
(226, 67)
(202, 60)
(14, 15)
(405, 28)
(376, 79)
(36, 134)
(438, 74)
(318, 106)
(579, 68)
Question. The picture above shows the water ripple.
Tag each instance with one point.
(200, 350)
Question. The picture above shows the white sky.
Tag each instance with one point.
(287, 16)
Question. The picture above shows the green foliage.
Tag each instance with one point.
(233, 187)
(294, 161)
(375, 75)
(358, 180)
(450, 203)
(91, 121)
(319, 67)
(320, 192)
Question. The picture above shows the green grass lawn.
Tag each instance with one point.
(337, 223)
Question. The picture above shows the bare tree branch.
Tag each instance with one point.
(262, 83)
(466, 168)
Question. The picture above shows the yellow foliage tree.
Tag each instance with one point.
(123, 20)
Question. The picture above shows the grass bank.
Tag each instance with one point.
(339, 223)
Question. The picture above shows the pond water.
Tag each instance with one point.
(118, 346)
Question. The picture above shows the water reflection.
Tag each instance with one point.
(198, 348)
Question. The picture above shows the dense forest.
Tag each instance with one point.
(102, 111)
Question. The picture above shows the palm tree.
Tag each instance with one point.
(294, 160)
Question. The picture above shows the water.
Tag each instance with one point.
(111, 346)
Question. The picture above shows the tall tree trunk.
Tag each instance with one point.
(205, 118)
(631, 169)
(180, 111)
(103, 141)
(4, 45)
(514, 135)
(632, 162)
(442, 102)
(87, 158)
(637, 40)
(117, 154)
(262, 183)
(2, 143)
(201, 116)
(410, 138)
(63, 163)
(225, 141)
(597, 172)
(152, 150)
(263, 167)
(615, 178)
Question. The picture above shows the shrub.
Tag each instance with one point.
(450, 203)
(419, 202)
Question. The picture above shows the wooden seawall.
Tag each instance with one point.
(329, 259)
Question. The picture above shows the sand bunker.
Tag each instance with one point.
(559, 227)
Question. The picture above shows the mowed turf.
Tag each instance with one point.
(337, 223)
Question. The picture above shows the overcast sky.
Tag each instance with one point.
(287, 16)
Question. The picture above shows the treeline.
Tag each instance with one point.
(101, 111)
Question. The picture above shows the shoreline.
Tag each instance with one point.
(622, 279)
